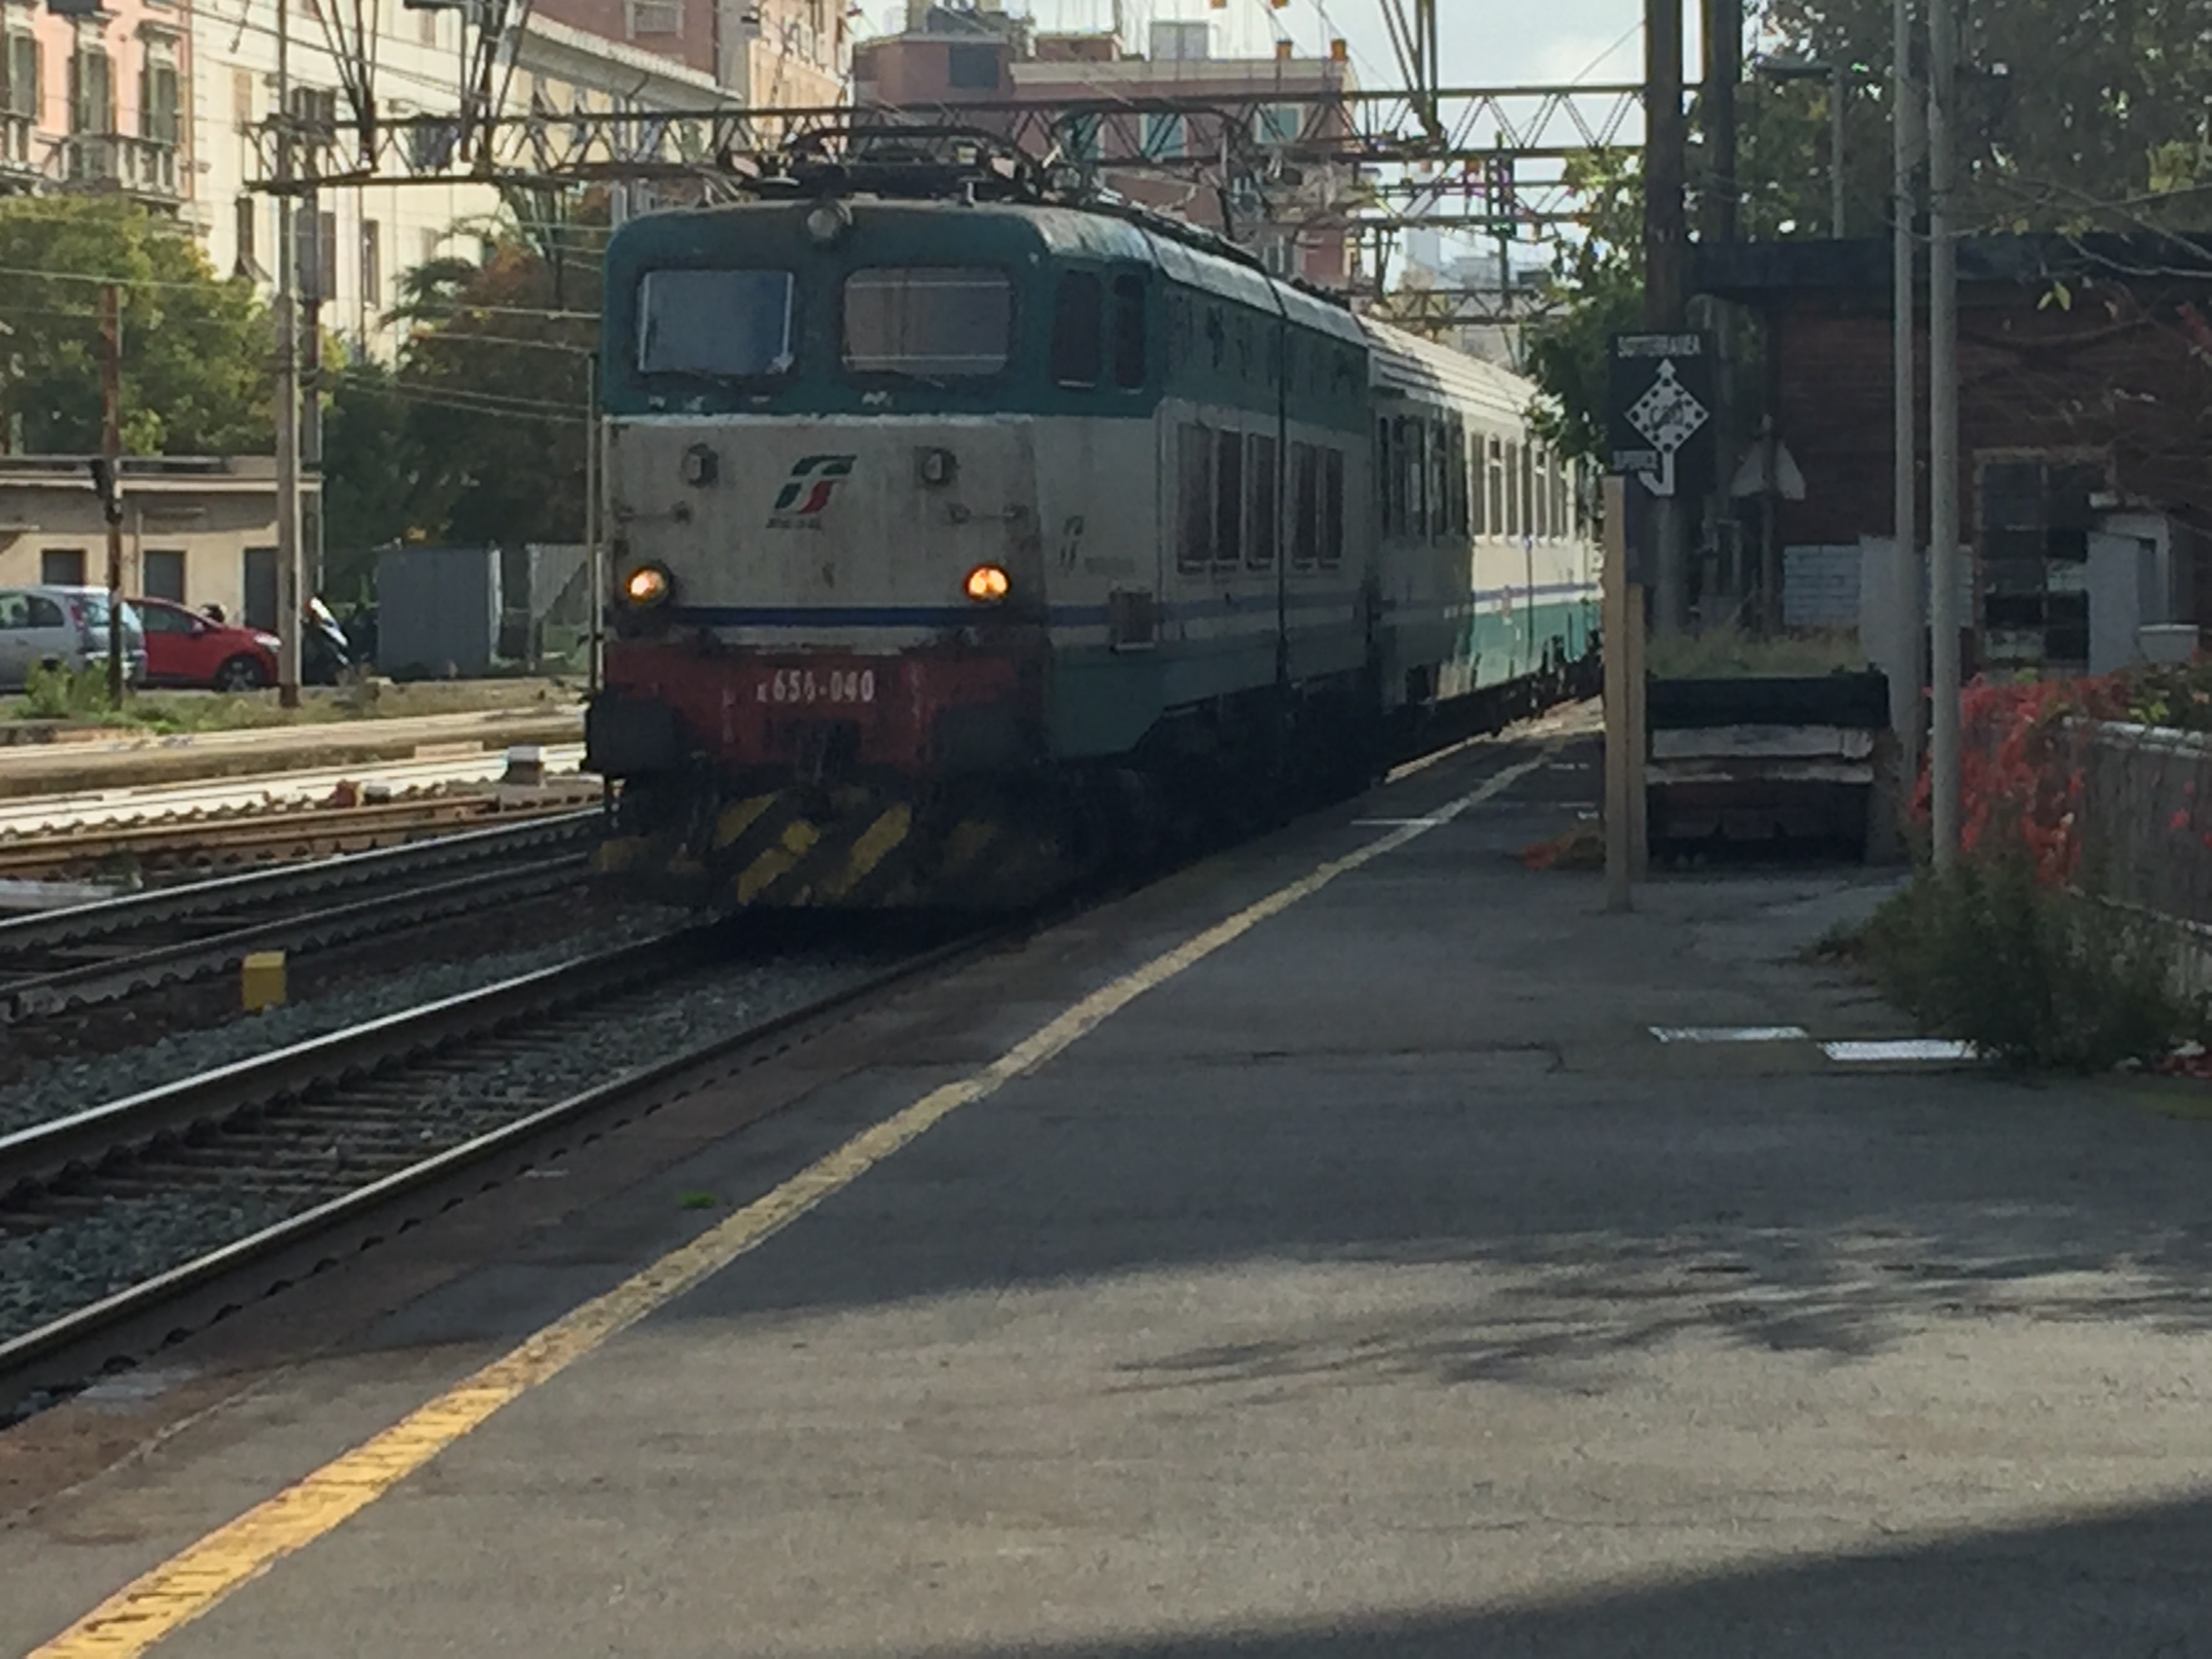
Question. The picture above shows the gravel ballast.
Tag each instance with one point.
(122, 1241)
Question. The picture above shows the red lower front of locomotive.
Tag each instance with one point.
(929, 712)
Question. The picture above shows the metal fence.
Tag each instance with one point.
(2145, 817)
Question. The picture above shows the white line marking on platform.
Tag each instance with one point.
(1397, 823)
(1920, 1049)
(163, 1601)
(1731, 1033)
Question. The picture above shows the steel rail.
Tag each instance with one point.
(252, 832)
(49, 929)
(185, 960)
(226, 1094)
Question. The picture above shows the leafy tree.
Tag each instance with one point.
(195, 349)
(495, 377)
(1595, 291)
(370, 461)
(2072, 111)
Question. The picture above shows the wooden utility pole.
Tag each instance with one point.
(285, 315)
(111, 452)
(1723, 72)
(1622, 619)
(1943, 553)
(1666, 257)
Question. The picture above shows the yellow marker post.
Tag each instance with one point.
(261, 981)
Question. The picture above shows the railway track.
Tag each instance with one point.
(92, 953)
(303, 1139)
(247, 837)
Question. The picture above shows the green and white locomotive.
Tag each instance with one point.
(958, 545)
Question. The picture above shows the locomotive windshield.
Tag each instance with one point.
(935, 322)
(735, 323)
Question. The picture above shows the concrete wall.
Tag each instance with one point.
(211, 520)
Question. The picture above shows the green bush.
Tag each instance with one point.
(52, 692)
(2032, 976)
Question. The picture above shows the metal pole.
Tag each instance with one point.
(287, 322)
(320, 288)
(1912, 589)
(1943, 430)
(1666, 243)
(1837, 86)
(1723, 73)
(111, 449)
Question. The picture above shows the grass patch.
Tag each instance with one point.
(1726, 652)
(2036, 977)
(698, 1201)
(54, 694)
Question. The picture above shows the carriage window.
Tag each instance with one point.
(938, 322)
(1260, 488)
(1456, 461)
(1528, 490)
(1515, 524)
(1547, 527)
(1496, 490)
(1413, 455)
(1441, 493)
(1386, 477)
(1478, 502)
(1229, 498)
(1332, 506)
(735, 323)
(1130, 331)
(1305, 504)
(1561, 466)
(1194, 497)
(1079, 339)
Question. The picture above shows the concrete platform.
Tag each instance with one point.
(133, 759)
(1360, 1276)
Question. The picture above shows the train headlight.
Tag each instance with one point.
(988, 584)
(647, 587)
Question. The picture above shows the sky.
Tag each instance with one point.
(1485, 43)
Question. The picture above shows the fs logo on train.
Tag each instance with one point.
(814, 479)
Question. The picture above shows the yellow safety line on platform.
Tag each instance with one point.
(194, 1581)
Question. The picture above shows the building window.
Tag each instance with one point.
(158, 102)
(1165, 136)
(655, 17)
(972, 68)
(1129, 350)
(247, 212)
(1260, 490)
(92, 90)
(372, 272)
(1194, 497)
(2034, 519)
(242, 100)
(1079, 343)
(163, 574)
(19, 74)
(1278, 124)
(1079, 136)
(61, 567)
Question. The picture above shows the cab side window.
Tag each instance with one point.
(1129, 347)
(1079, 335)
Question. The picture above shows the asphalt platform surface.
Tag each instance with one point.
(1374, 1282)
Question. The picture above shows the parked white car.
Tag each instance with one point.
(64, 627)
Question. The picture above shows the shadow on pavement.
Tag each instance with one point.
(2129, 1585)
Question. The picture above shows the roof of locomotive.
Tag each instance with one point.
(1405, 363)
(1186, 255)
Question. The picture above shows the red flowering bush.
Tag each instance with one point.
(2019, 781)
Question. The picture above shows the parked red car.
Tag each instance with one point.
(186, 648)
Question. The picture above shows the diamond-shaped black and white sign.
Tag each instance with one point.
(1660, 415)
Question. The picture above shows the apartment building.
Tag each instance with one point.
(160, 100)
(974, 52)
(93, 97)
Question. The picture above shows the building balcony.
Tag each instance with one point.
(145, 168)
(19, 164)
